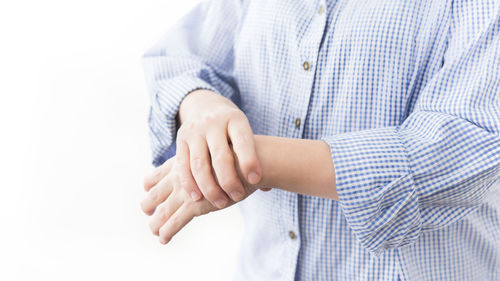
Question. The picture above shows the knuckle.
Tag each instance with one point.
(223, 158)
(208, 117)
(212, 193)
(180, 162)
(154, 228)
(234, 113)
(217, 149)
(161, 217)
(242, 138)
(197, 164)
(184, 183)
(230, 183)
(161, 212)
(181, 131)
(157, 173)
(185, 129)
(189, 125)
(174, 221)
(154, 195)
(176, 185)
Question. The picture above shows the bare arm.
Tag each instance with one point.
(296, 165)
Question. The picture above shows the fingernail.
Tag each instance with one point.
(194, 195)
(220, 203)
(236, 195)
(253, 178)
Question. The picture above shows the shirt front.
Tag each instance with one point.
(406, 94)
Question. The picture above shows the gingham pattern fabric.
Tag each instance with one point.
(407, 95)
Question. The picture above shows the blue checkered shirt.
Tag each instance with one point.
(407, 95)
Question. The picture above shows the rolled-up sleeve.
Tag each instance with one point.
(196, 53)
(437, 166)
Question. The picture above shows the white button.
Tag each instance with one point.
(321, 9)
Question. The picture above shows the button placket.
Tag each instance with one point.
(310, 54)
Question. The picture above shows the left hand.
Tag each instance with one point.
(170, 205)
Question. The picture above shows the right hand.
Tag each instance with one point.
(212, 127)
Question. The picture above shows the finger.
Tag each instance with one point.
(201, 169)
(164, 211)
(175, 223)
(224, 166)
(183, 170)
(151, 179)
(243, 145)
(157, 195)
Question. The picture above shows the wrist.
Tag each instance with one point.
(199, 100)
(185, 108)
(296, 165)
(264, 146)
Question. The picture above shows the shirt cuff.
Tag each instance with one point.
(375, 187)
(165, 105)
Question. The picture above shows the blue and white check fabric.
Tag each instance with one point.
(407, 95)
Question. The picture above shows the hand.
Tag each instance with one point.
(210, 125)
(171, 205)
(295, 165)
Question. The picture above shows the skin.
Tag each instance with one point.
(210, 125)
(296, 165)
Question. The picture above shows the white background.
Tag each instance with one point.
(74, 148)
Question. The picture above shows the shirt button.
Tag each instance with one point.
(292, 235)
(297, 122)
(306, 65)
(321, 9)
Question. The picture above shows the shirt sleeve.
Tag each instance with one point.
(196, 53)
(437, 166)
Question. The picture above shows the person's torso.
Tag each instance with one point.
(312, 68)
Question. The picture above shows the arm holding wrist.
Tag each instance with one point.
(296, 165)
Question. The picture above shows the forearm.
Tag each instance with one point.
(296, 165)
